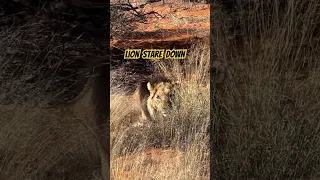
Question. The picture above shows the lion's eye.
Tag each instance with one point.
(158, 97)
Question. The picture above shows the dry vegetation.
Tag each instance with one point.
(265, 117)
(38, 140)
(184, 133)
(41, 141)
(266, 120)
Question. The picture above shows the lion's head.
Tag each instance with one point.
(163, 97)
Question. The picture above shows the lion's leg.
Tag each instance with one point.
(143, 121)
(143, 115)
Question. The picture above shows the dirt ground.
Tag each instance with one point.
(180, 26)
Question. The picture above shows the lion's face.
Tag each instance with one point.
(162, 96)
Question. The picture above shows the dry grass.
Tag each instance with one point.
(178, 19)
(184, 131)
(37, 140)
(266, 120)
(41, 143)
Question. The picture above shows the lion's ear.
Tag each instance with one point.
(150, 87)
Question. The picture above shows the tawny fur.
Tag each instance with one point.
(152, 96)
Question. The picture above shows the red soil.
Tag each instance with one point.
(182, 25)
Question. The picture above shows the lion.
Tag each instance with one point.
(156, 96)
(152, 97)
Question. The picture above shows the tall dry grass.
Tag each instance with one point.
(266, 120)
(37, 140)
(185, 131)
(41, 143)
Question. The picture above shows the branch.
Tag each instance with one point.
(128, 7)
